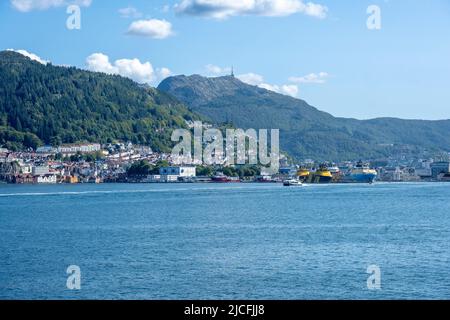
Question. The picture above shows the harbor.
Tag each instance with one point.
(128, 163)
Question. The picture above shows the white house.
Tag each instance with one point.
(46, 149)
(187, 172)
(82, 148)
(169, 178)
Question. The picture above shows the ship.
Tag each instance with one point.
(361, 173)
(292, 183)
(303, 174)
(221, 178)
(321, 175)
(335, 172)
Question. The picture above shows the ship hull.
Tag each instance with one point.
(224, 180)
(318, 179)
(360, 178)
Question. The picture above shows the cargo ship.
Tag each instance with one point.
(321, 175)
(303, 174)
(361, 173)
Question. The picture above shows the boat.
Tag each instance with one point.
(221, 178)
(303, 174)
(321, 175)
(361, 173)
(334, 170)
(292, 183)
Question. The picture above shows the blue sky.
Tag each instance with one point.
(324, 54)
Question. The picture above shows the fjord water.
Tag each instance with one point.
(242, 241)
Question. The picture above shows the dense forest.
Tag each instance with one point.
(46, 104)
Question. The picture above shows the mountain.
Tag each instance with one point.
(46, 104)
(305, 132)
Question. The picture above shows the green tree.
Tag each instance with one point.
(142, 167)
(205, 171)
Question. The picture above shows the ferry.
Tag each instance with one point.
(362, 173)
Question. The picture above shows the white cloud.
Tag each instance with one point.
(223, 9)
(29, 5)
(163, 73)
(130, 12)
(99, 62)
(153, 28)
(290, 89)
(258, 80)
(141, 72)
(251, 78)
(32, 56)
(320, 78)
(134, 69)
(213, 70)
(287, 89)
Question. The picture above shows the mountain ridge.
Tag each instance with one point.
(305, 131)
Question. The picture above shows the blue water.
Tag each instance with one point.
(242, 241)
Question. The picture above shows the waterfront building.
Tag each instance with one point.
(170, 178)
(288, 171)
(178, 171)
(154, 178)
(439, 167)
(424, 173)
(40, 170)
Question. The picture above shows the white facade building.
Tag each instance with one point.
(40, 170)
(169, 178)
(187, 172)
(46, 149)
(82, 148)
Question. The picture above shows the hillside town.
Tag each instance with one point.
(123, 162)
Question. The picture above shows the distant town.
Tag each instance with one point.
(128, 163)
